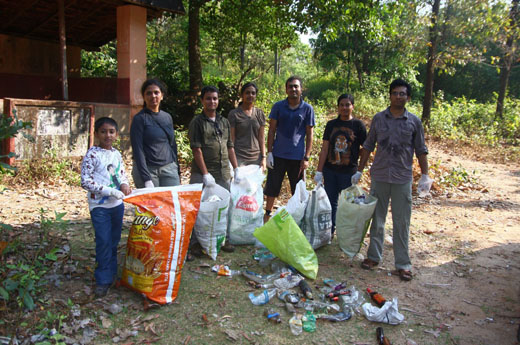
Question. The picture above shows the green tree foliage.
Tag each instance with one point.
(102, 63)
(366, 39)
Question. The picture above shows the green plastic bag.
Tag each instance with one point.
(282, 236)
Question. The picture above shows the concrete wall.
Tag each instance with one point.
(63, 129)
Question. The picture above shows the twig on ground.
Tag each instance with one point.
(413, 312)
(436, 285)
(469, 302)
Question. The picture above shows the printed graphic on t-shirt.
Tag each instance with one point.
(113, 176)
(113, 172)
(341, 140)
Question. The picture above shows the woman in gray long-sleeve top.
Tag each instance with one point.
(153, 141)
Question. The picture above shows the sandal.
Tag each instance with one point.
(405, 275)
(368, 264)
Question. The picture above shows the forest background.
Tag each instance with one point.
(461, 58)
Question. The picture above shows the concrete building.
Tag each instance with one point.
(40, 69)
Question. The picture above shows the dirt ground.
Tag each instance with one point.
(464, 245)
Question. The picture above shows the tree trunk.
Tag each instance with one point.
(275, 61)
(195, 66)
(430, 66)
(505, 71)
(242, 51)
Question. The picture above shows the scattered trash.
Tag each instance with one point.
(376, 297)
(295, 324)
(272, 316)
(262, 298)
(223, 270)
(380, 336)
(388, 313)
(309, 322)
(287, 282)
(114, 309)
(353, 301)
(306, 289)
(342, 316)
(288, 296)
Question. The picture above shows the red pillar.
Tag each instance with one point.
(131, 54)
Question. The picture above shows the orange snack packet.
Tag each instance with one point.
(159, 238)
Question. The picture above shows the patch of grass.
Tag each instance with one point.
(51, 169)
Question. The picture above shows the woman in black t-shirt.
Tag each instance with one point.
(339, 154)
(153, 141)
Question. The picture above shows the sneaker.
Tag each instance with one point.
(228, 247)
(101, 290)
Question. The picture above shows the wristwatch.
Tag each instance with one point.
(306, 158)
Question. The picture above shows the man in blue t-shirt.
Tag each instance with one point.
(289, 141)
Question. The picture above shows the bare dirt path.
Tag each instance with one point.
(465, 246)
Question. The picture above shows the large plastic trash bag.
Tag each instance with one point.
(282, 236)
(297, 203)
(212, 220)
(355, 209)
(159, 238)
(295, 206)
(317, 221)
(246, 211)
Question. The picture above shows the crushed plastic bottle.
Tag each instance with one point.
(287, 282)
(260, 279)
(353, 301)
(309, 322)
(319, 307)
(343, 316)
(288, 296)
(296, 325)
(290, 308)
(263, 256)
(262, 298)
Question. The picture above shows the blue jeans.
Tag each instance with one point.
(107, 224)
(334, 183)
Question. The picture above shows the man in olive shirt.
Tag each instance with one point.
(398, 134)
(210, 141)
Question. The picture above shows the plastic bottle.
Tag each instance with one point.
(380, 336)
(258, 278)
(272, 316)
(288, 296)
(290, 308)
(309, 322)
(263, 298)
(338, 293)
(320, 307)
(376, 297)
(306, 289)
(288, 281)
(296, 325)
